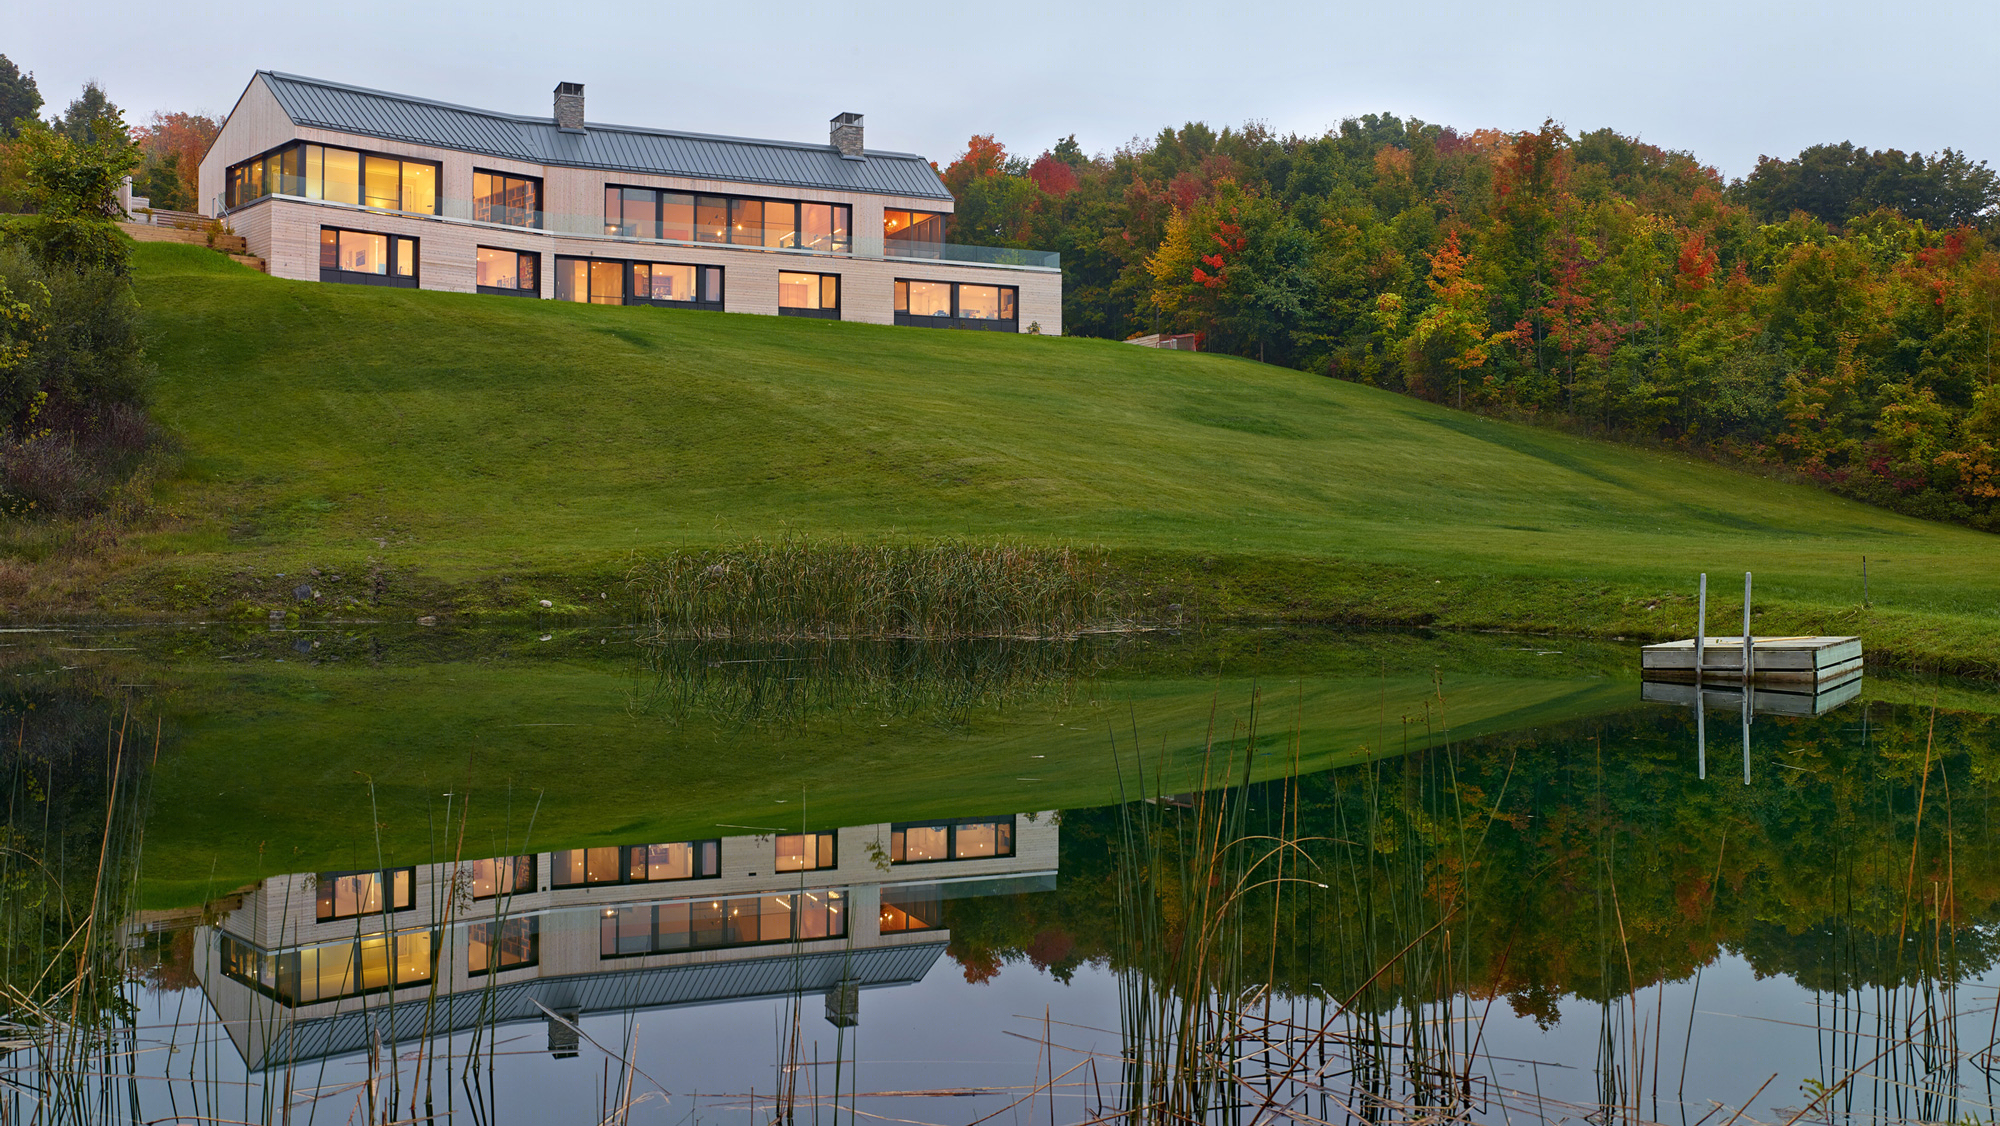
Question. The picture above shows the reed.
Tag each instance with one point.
(798, 588)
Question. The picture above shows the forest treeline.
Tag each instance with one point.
(1832, 314)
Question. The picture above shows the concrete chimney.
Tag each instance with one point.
(569, 107)
(845, 129)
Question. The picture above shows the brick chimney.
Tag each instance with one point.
(569, 107)
(845, 129)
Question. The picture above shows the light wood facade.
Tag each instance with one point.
(285, 230)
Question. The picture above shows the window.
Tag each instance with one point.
(509, 271)
(919, 908)
(805, 852)
(913, 234)
(502, 875)
(749, 920)
(366, 258)
(348, 895)
(809, 295)
(968, 839)
(603, 281)
(386, 183)
(514, 201)
(508, 944)
(334, 970)
(636, 864)
(776, 223)
(957, 305)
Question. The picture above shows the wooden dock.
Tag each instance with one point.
(1723, 698)
(1819, 662)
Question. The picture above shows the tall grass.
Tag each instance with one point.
(798, 588)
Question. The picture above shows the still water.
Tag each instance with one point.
(382, 875)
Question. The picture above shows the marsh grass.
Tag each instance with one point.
(798, 588)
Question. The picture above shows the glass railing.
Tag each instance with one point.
(595, 226)
(985, 255)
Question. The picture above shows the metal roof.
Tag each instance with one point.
(318, 104)
(273, 1037)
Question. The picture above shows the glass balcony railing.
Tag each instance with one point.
(595, 226)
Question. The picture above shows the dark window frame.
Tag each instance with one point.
(282, 973)
(951, 826)
(832, 849)
(615, 229)
(557, 881)
(534, 877)
(917, 221)
(501, 290)
(388, 893)
(392, 279)
(977, 324)
(846, 896)
(534, 213)
(534, 924)
(269, 172)
(631, 298)
(839, 296)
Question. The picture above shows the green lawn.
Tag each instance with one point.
(453, 441)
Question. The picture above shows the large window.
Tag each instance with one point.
(704, 924)
(636, 864)
(366, 258)
(501, 875)
(912, 908)
(923, 842)
(958, 305)
(348, 895)
(809, 295)
(806, 852)
(913, 234)
(683, 217)
(508, 944)
(604, 281)
(515, 201)
(334, 970)
(387, 183)
(509, 272)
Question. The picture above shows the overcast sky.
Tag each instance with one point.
(1726, 80)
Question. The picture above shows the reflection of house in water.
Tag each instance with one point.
(318, 964)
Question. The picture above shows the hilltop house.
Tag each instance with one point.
(335, 183)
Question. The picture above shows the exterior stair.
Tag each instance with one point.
(183, 229)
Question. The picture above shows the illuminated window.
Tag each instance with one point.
(613, 282)
(347, 895)
(913, 234)
(805, 852)
(508, 271)
(515, 201)
(739, 221)
(809, 295)
(366, 258)
(335, 970)
(911, 909)
(966, 839)
(957, 305)
(501, 875)
(634, 864)
(508, 944)
(746, 920)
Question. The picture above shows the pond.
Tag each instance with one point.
(381, 875)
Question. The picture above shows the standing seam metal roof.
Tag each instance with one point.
(319, 104)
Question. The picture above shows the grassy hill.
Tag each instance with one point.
(469, 452)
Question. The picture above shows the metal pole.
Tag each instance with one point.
(1864, 582)
(1746, 732)
(1700, 731)
(1748, 641)
(1700, 629)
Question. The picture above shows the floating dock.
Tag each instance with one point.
(1811, 662)
(1725, 698)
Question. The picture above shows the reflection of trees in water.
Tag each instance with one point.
(783, 684)
(73, 766)
(1587, 861)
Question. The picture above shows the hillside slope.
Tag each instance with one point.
(460, 437)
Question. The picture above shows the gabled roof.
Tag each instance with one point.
(318, 104)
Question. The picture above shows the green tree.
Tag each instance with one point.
(81, 119)
(19, 97)
(73, 187)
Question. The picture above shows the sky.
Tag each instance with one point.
(1726, 81)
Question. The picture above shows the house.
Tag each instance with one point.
(314, 964)
(335, 183)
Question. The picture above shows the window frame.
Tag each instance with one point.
(395, 278)
(533, 876)
(270, 167)
(286, 965)
(729, 220)
(609, 917)
(822, 313)
(951, 827)
(900, 304)
(387, 875)
(826, 851)
(499, 926)
(534, 213)
(631, 297)
(501, 290)
(624, 867)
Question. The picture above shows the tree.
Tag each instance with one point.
(19, 97)
(73, 187)
(1836, 183)
(80, 119)
(174, 144)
